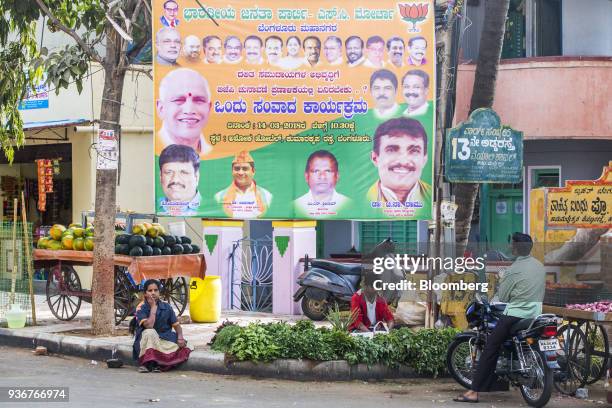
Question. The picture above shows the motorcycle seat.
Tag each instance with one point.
(340, 269)
(520, 325)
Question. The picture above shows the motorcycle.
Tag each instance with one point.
(527, 360)
(326, 282)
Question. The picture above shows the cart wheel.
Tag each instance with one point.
(176, 292)
(572, 358)
(61, 284)
(599, 349)
(123, 294)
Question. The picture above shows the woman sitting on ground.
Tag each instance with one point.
(156, 346)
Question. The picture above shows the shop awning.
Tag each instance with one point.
(52, 124)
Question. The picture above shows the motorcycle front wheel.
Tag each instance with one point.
(538, 387)
(460, 362)
(314, 309)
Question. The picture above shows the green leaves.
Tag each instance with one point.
(65, 67)
(255, 344)
(424, 350)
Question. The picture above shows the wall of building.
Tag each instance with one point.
(586, 27)
(556, 98)
(578, 159)
(337, 238)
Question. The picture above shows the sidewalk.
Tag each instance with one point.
(72, 338)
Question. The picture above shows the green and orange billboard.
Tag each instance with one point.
(321, 110)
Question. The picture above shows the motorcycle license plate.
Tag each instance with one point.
(549, 345)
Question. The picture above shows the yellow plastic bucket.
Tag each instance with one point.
(205, 299)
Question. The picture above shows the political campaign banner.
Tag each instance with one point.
(321, 110)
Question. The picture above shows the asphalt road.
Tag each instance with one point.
(94, 385)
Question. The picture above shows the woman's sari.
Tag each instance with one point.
(159, 344)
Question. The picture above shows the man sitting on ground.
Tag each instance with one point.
(369, 307)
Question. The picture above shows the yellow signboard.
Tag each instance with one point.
(581, 204)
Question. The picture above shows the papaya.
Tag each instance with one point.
(67, 241)
(56, 232)
(89, 244)
(139, 229)
(78, 244)
(54, 245)
(42, 243)
(159, 228)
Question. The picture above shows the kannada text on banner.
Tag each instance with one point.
(581, 204)
(481, 150)
(321, 111)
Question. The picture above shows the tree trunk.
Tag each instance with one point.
(103, 315)
(489, 53)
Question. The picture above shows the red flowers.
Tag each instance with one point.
(414, 12)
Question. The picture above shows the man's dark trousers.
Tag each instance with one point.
(485, 374)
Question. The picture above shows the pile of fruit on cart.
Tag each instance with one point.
(601, 306)
(75, 237)
(151, 240)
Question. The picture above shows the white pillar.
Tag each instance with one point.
(219, 238)
(292, 240)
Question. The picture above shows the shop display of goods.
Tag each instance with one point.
(75, 237)
(151, 240)
(575, 285)
(601, 306)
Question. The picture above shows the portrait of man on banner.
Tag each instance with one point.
(179, 175)
(383, 87)
(169, 16)
(354, 51)
(243, 198)
(184, 107)
(232, 50)
(415, 88)
(399, 153)
(168, 44)
(322, 200)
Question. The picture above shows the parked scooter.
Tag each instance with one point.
(327, 282)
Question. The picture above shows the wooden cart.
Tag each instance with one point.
(585, 347)
(65, 293)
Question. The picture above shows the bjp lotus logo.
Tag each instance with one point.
(414, 13)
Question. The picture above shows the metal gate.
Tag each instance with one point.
(251, 275)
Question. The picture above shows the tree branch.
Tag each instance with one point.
(146, 6)
(88, 50)
(147, 72)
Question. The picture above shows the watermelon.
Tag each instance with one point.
(157, 251)
(159, 242)
(185, 240)
(136, 251)
(147, 250)
(195, 249)
(177, 249)
(187, 248)
(169, 240)
(137, 241)
(166, 250)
